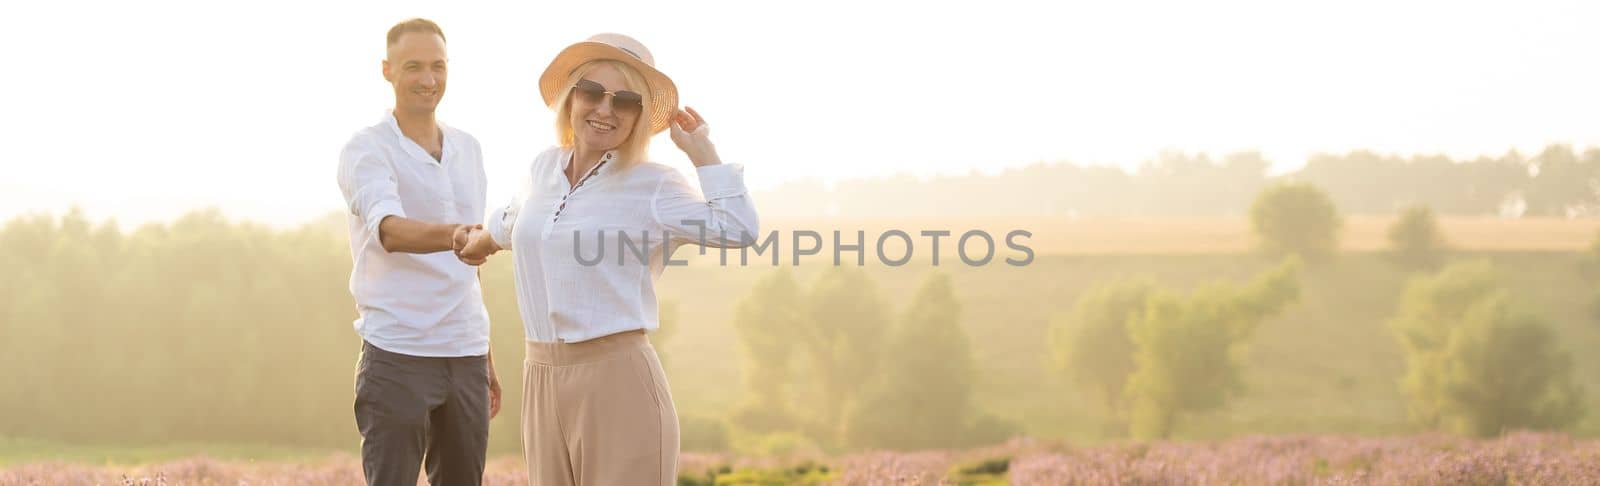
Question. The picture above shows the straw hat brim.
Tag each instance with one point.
(663, 100)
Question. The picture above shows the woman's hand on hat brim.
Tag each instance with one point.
(693, 136)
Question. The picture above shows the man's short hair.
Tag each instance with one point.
(413, 25)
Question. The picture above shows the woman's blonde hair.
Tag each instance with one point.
(637, 146)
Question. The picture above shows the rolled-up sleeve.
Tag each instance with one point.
(368, 184)
(501, 221)
(721, 214)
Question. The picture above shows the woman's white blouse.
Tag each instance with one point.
(563, 292)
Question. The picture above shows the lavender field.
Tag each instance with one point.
(1518, 458)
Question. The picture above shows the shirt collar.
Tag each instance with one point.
(410, 146)
(609, 159)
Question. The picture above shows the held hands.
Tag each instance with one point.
(459, 236)
(693, 136)
(473, 245)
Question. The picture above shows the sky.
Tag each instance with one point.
(142, 111)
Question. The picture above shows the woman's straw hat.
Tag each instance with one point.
(663, 100)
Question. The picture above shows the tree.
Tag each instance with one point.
(1177, 183)
(1431, 308)
(922, 396)
(1563, 183)
(1415, 241)
(1476, 364)
(1295, 218)
(1188, 349)
(1503, 370)
(766, 321)
(197, 300)
(1091, 344)
(842, 334)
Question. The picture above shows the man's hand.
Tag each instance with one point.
(461, 238)
(401, 235)
(476, 247)
(494, 390)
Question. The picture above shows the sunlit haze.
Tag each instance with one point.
(143, 111)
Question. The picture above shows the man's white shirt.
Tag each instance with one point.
(416, 304)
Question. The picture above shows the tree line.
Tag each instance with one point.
(1559, 181)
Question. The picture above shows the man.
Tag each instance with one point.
(425, 383)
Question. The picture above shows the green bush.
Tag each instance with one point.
(1296, 218)
(804, 474)
(1415, 241)
(1188, 349)
(1091, 344)
(982, 472)
(1478, 365)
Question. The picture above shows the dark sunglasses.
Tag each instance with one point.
(621, 101)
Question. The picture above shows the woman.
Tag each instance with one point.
(596, 406)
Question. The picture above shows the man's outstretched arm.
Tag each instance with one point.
(398, 234)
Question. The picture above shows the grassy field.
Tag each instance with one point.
(1329, 365)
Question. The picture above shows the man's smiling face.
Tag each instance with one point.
(416, 66)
